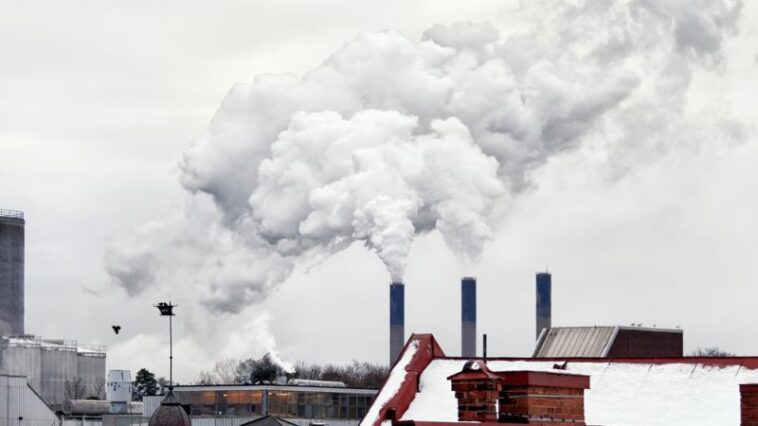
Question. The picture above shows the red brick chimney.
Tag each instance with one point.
(535, 396)
(477, 390)
(526, 397)
(749, 404)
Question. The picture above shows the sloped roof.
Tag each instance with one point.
(633, 391)
(269, 421)
(595, 342)
(575, 342)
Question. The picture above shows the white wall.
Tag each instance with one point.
(21, 406)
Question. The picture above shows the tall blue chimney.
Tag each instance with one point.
(543, 301)
(397, 320)
(468, 317)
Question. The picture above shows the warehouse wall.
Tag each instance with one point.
(18, 400)
(21, 361)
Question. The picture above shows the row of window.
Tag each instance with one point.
(313, 405)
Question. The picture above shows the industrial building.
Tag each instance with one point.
(21, 405)
(330, 402)
(56, 369)
(428, 388)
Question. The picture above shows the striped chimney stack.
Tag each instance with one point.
(468, 317)
(397, 320)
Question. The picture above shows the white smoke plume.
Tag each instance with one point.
(391, 137)
(249, 336)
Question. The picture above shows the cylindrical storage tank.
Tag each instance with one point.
(90, 369)
(21, 357)
(397, 320)
(82, 407)
(11, 272)
(544, 283)
(59, 379)
(468, 317)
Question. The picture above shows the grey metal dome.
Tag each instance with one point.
(170, 413)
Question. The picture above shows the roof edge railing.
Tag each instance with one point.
(11, 213)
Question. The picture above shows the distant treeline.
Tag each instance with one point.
(265, 370)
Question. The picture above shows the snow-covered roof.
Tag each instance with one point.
(656, 391)
(392, 385)
(620, 393)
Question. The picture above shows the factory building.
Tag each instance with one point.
(56, 369)
(300, 401)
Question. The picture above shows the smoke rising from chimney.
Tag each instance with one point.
(391, 138)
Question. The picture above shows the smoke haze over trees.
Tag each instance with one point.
(264, 370)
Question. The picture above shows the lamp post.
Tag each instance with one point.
(167, 310)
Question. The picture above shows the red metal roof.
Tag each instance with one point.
(429, 350)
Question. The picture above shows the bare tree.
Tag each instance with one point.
(358, 374)
(99, 388)
(710, 351)
(205, 378)
(74, 388)
(226, 371)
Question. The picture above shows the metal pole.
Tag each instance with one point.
(484, 346)
(170, 355)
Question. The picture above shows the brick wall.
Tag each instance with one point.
(529, 397)
(749, 404)
(647, 343)
(539, 403)
(477, 399)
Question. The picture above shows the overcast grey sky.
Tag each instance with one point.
(635, 183)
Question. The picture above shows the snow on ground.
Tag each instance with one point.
(620, 393)
(392, 385)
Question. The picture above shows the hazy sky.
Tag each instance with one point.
(627, 165)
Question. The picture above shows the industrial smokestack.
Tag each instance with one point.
(468, 317)
(543, 301)
(397, 320)
(11, 272)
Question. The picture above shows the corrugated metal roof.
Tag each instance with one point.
(569, 342)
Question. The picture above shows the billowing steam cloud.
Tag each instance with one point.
(390, 138)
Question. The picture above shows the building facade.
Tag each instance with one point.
(316, 403)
